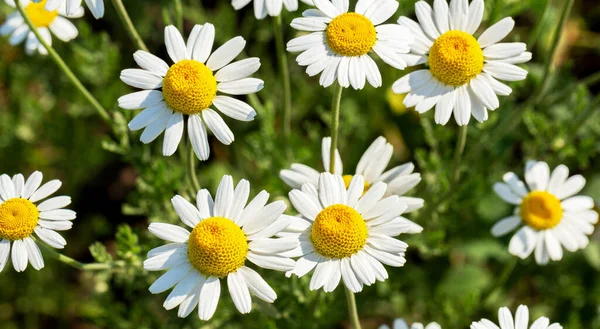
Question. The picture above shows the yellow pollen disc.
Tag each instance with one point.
(351, 34)
(338, 232)
(455, 58)
(541, 210)
(18, 219)
(348, 179)
(217, 246)
(189, 87)
(39, 16)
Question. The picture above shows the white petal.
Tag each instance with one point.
(182, 290)
(240, 197)
(224, 196)
(188, 213)
(58, 214)
(570, 187)
(209, 298)
(522, 317)
(271, 262)
(173, 134)
(31, 185)
(140, 99)
(503, 191)
(496, 32)
(204, 43)
(169, 232)
(63, 29)
(34, 254)
(219, 128)
(226, 53)
(148, 116)
(505, 318)
(151, 63)
(198, 137)
(537, 176)
(175, 45)
(4, 253)
(504, 50)
(523, 242)
(425, 15)
(257, 285)
(141, 79)
(578, 203)
(238, 70)
(45, 190)
(506, 225)
(241, 87)
(484, 92)
(19, 255)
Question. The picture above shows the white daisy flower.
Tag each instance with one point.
(462, 71)
(224, 236)
(72, 6)
(345, 234)
(399, 180)
(189, 88)
(520, 321)
(273, 8)
(552, 217)
(54, 21)
(401, 324)
(341, 41)
(22, 214)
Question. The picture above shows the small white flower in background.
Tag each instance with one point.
(22, 214)
(273, 8)
(401, 324)
(45, 21)
(341, 41)
(224, 236)
(552, 216)
(72, 6)
(462, 72)
(520, 321)
(371, 166)
(189, 88)
(345, 234)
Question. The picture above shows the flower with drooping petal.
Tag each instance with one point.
(520, 321)
(54, 21)
(371, 166)
(225, 235)
(22, 212)
(341, 41)
(72, 6)
(463, 72)
(190, 87)
(273, 8)
(346, 234)
(551, 213)
(401, 324)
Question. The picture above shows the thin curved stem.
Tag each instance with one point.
(128, 24)
(179, 15)
(78, 265)
(458, 153)
(502, 279)
(352, 311)
(285, 72)
(192, 169)
(64, 67)
(335, 124)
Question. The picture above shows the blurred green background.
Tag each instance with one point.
(454, 270)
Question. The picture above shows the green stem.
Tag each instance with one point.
(458, 153)
(285, 71)
(565, 12)
(335, 124)
(537, 30)
(78, 265)
(64, 67)
(352, 311)
(192, 169)
(504, 276)
(128, 24)
(179, 15)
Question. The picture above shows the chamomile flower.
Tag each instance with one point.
(520, 321)
(462, 71)
(345, 234)
(71, 6)
(551, 215)
(225, 235)
(273, 8)
(22, 212)
(401, 324)
(371, 166)
(341, 41)
(54, 21)
(189, 88)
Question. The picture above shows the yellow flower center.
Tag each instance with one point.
(348, 179)
(189, 87)
(339, 231)
(351, 34)
(18, 219)
(217, 246)
(455, 58)
(39, 16)
(541, 210)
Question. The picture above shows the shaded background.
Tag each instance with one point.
(455, 269)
